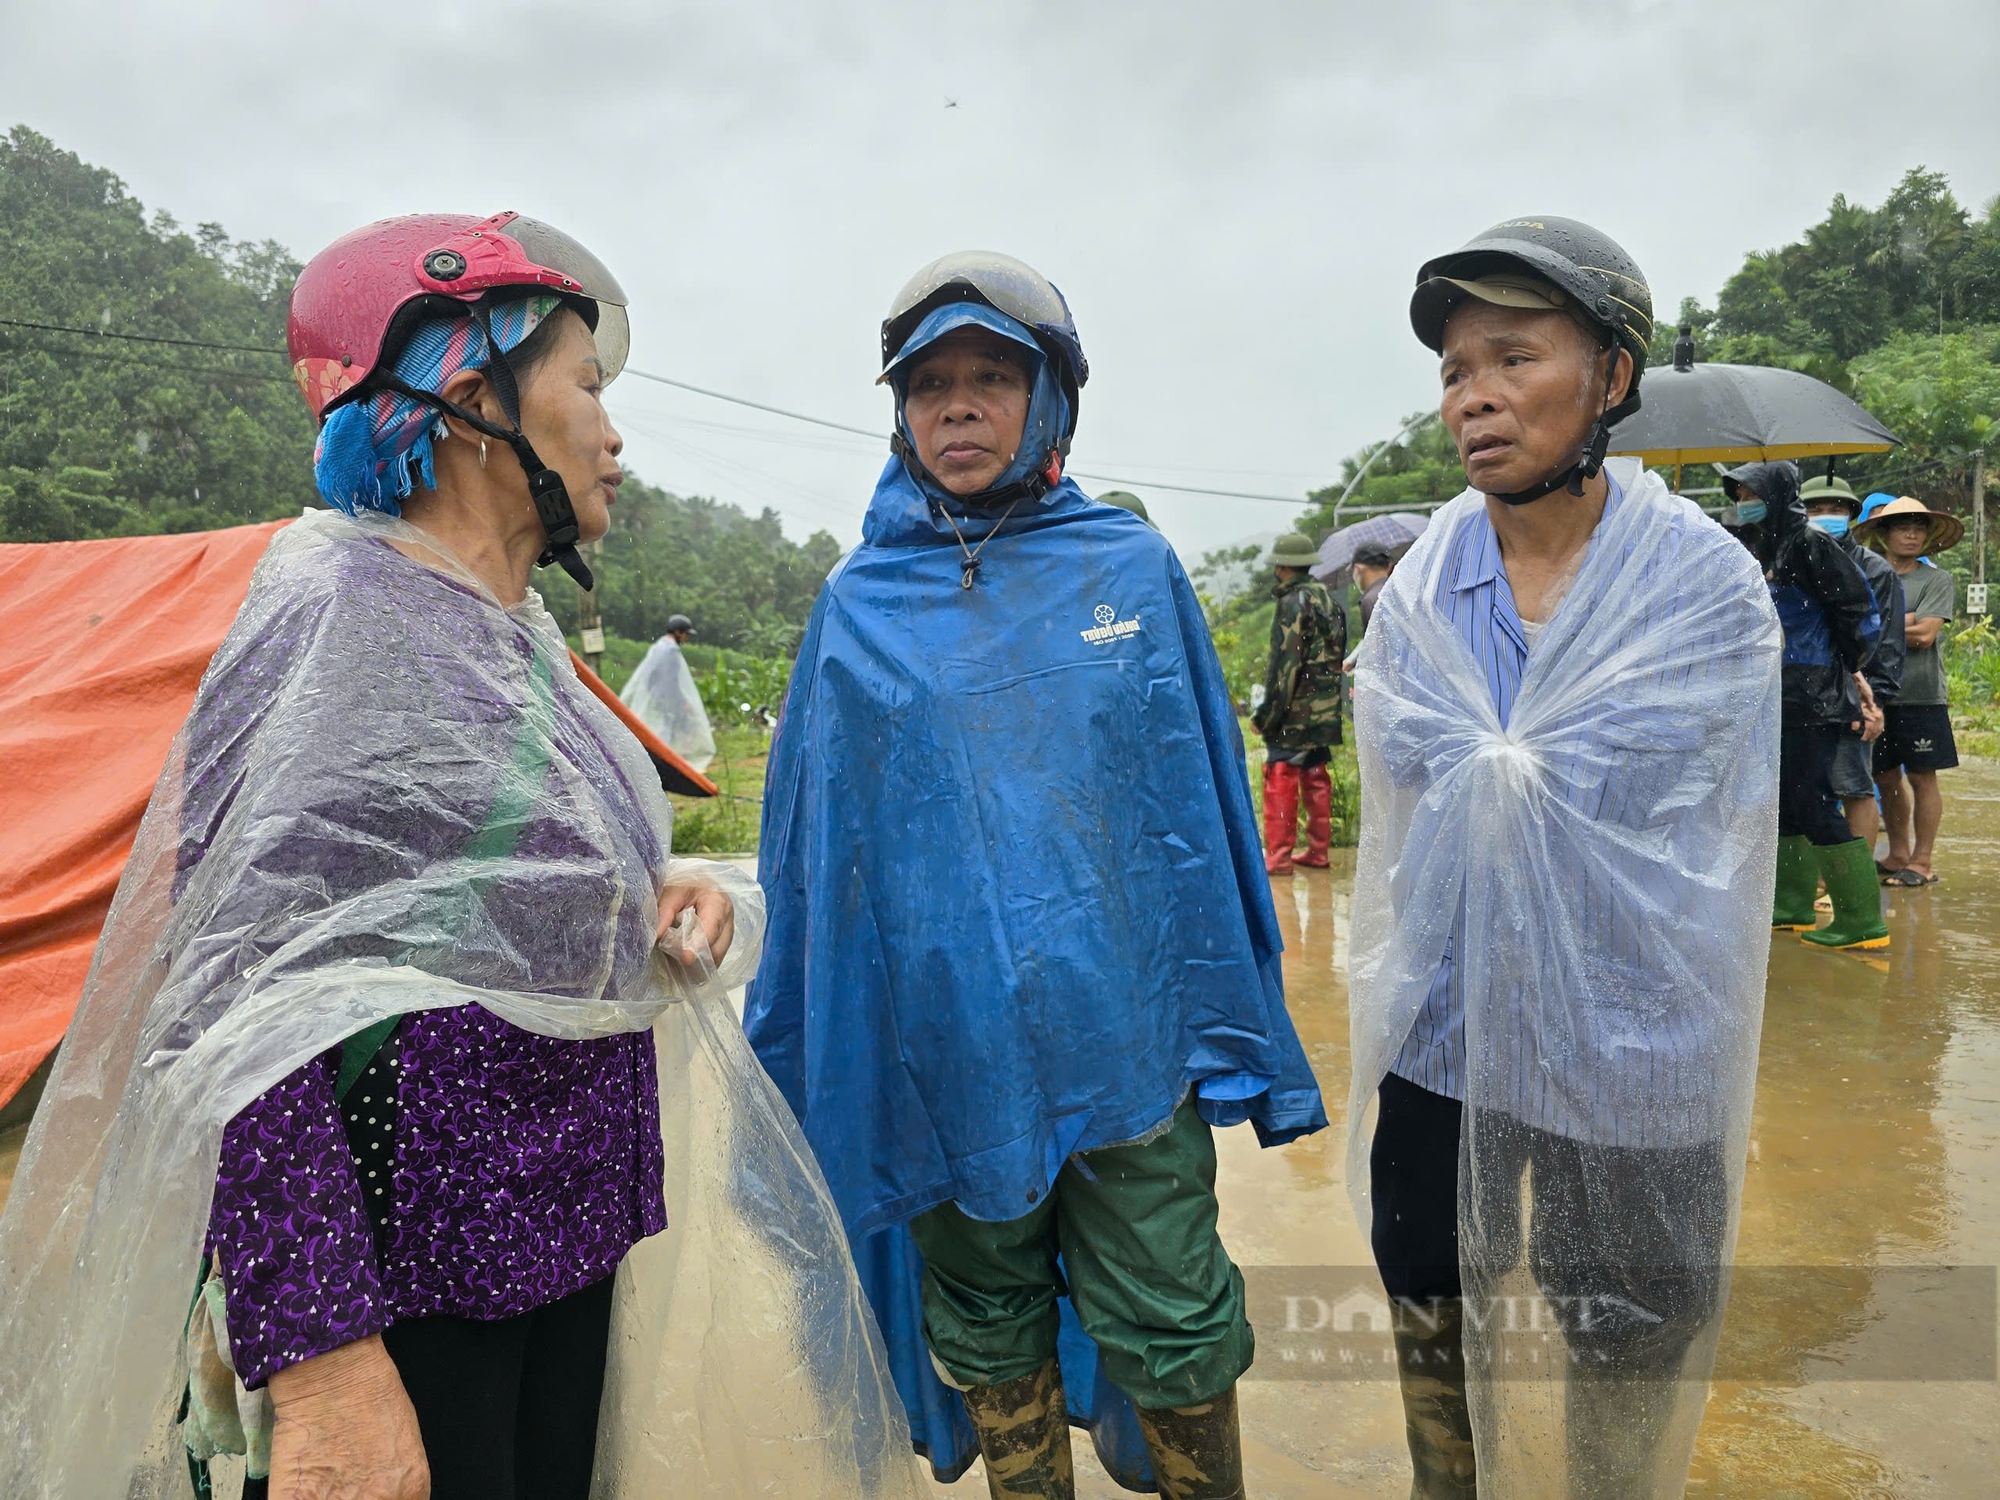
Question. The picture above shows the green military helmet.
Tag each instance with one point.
(1827, 488)
(1126, 500)
(1293, 551)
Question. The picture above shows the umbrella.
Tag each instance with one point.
(1395, 531)
(1711, 414)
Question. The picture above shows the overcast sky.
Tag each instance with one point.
(1235, 197)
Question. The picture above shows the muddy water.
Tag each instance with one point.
(1876, 1146)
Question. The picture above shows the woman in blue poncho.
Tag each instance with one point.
(1022, 955)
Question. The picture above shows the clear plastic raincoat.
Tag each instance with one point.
(1612, 850)
(663, 694)
(394, 795)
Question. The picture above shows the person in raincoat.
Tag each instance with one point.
(370, 1023)
(662, 692)
(1023, 958)
(1831, 631)
(1567, 725)
(1300, 715)
(1833, 507)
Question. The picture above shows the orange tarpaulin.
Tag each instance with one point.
(676, 775)
(101, 647)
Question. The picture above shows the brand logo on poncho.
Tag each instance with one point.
(1109, 627)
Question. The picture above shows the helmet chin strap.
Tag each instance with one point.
(1590, 459)
(545, 485)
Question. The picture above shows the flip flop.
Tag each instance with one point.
(1882, 869)
(1908, 877)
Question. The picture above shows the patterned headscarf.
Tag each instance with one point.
(372, 452)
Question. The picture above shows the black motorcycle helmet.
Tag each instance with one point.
(1589, 275)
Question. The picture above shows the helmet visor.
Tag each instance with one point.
(1015, 288)
(550, 247)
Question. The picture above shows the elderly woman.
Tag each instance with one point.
(1023, 957)
(416, 1233)
(398, 916)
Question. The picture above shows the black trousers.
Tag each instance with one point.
(1620, 1225)
(508, 1409)
(1806, 802)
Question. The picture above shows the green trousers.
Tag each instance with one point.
(1129, 1233)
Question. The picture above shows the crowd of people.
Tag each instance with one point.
(1021, 958)
(1867, 722)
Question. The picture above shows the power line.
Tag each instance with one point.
(776, 411)
(682, 385)
(883, 437)
(138, 338)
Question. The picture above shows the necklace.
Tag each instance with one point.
(972, 553)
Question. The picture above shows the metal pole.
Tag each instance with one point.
(1979, 517)
(1408, 427)
(587, 623)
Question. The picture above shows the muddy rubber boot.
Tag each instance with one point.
(1023, 1429)
(1430, 1363)
(1798, 884)
(1197, 1451)
(1849, 871)
(1281, 815)
(1316, 791)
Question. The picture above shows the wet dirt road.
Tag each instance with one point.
(1876, 1146)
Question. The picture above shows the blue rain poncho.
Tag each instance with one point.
(1018, 906)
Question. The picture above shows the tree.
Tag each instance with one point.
(102, 437)
(744, 584)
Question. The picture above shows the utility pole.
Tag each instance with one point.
(587, 622)
(1976, 604)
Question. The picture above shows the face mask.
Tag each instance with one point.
(1831, 525)
(1749, 512)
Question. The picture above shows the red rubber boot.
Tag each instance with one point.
(1281, 815)
(1316, 789)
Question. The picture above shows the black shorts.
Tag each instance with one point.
(1917, 738)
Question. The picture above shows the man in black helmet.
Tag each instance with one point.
(1567, 720)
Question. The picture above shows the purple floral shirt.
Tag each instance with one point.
(526, 1167)
(354, 746)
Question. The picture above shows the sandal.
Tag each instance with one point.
(1908, 877)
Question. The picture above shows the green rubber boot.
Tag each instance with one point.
(1023, 1431)
(1798, 884)
(1197, 1451)
(1849, 872)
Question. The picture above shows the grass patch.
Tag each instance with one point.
(727, 823)
(1971, 653)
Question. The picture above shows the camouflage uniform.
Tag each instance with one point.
(1300, 717)
(1301, 707)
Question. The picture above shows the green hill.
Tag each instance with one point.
(158, 431)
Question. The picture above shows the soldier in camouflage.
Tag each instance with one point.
(1300, 715)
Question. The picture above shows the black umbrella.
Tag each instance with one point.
(1712, 414)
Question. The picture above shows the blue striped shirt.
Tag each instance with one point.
(1476, 597)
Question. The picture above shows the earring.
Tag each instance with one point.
(482, 453)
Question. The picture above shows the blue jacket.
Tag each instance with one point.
(1824, 601)
(1017, 903)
